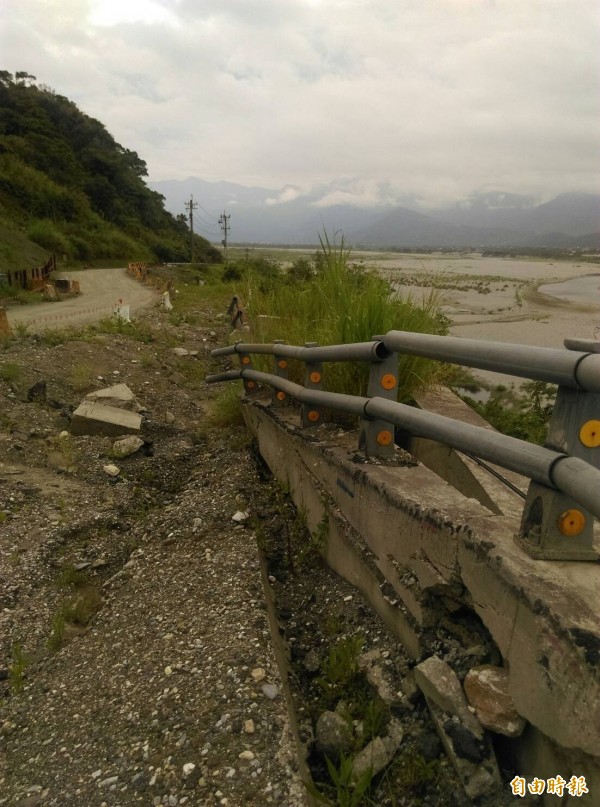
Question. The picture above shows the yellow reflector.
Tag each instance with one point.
(589, 434)
(571, 522)
(384, 438)
(388, 381)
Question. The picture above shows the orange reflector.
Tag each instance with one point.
(281, 396)
(571, 522)
(384, 438)
(315, 377)
(245, 359)
(250, 384)
(589, 434)
(282, 363)
(388, 381)
(313, 416)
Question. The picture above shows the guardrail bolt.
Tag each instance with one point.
(554, 526)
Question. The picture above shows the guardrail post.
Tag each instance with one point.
(376, 437)
(279, 398)
(250, 387)
(553, 526)
(313, 379)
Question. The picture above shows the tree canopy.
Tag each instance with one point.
(74, 189)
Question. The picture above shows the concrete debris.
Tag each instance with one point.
(461, 733)
(379, 677)
(440, 685)
(378, 754)
(96, 418)
(486, 688)
(119, 396)
(126, 446)
(478, 777)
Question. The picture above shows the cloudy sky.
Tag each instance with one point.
(436, 98)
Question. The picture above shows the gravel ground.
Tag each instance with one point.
(135, 654)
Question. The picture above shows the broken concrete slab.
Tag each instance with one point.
(475, 762)
(119, 396)
(378, 753)
(95, 418)
(487, 690)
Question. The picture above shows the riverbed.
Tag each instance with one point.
(518, 300)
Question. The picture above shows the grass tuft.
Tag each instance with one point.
(341, 303)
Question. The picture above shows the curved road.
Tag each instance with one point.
(101, 290)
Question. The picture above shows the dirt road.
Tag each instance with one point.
(101, 289)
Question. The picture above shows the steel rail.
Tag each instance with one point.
(567, 368)
(570, 475)
(374, 351)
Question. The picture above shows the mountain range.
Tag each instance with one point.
(287, 216)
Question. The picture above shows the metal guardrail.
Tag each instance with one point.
(564, 493)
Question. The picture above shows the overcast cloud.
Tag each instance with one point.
(437, 98)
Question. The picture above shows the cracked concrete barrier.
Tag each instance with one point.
(418, 549)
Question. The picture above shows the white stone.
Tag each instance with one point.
(188, 768)
(246, 755)
(126, 446)
(240, 516)
(111, 470)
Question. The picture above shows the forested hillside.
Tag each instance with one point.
(67, 187)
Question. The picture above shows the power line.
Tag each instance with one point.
(210, 215)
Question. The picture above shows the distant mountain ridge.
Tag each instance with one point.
(286, 216)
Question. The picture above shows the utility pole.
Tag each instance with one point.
(224, 222)
(190, 207)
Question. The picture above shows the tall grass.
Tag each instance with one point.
(341, 304)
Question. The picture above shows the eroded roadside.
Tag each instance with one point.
(135, 656)
(137, 665)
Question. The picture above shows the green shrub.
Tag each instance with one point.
(10, 371)
(19, 664)
(526, 418)
(45, 233)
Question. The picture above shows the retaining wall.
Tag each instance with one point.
(419, 548)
